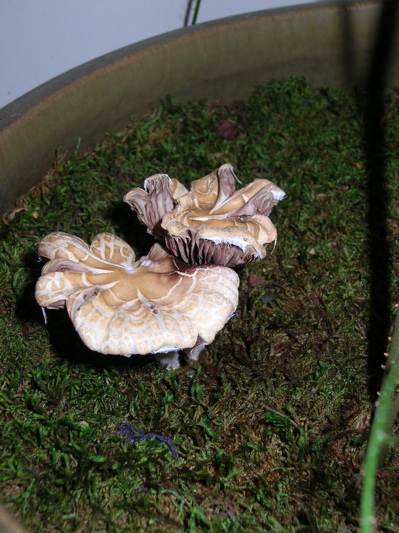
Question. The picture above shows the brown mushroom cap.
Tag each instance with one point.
(157, 199)
(213, 223)
(122, 306)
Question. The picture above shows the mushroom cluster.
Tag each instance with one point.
(211, 223)
(167, 301)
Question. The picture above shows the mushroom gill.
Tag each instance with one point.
(118, 305)
(157, 199)
(214, 223)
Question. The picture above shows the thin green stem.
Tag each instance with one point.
(381, 433)
(196, 11)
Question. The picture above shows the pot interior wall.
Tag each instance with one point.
(330, 44)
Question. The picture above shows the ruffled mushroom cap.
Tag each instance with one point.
(157, 199)
(213, 223)
(121, 306)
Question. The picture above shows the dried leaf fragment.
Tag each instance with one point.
(228, 129)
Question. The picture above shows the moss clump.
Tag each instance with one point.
(271, 426)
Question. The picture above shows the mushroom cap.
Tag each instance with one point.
(121, 306)
(213, 223)
(157, 199)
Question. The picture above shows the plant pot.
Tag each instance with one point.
(329, 44)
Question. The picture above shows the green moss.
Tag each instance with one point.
(271, 425)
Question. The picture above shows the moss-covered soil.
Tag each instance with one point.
(271, 425)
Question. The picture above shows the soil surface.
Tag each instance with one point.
(271, 425)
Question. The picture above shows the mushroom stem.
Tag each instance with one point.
(193, 353)
(170, 359)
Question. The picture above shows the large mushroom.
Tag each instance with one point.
(118, 305)
(211, 223)
(214, 223)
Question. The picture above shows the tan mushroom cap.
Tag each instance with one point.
(121, 306)
(157, 199)
(213, 223)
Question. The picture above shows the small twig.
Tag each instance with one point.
(127, 430)
(282, 415)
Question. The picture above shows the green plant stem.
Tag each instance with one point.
(196, 11)
(381, 432)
